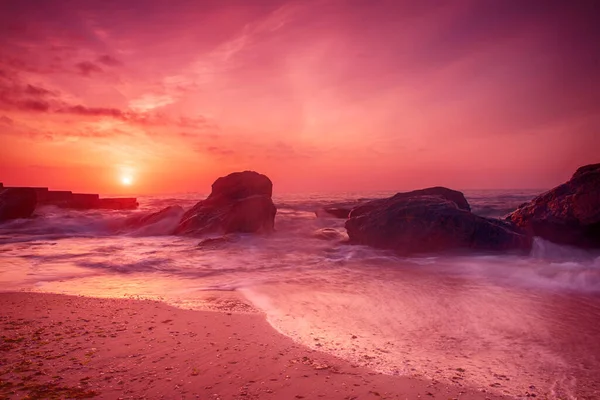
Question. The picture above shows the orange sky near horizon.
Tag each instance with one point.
(320, 95)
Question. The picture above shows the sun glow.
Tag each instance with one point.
(126, 180)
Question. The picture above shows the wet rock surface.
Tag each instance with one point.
(239, 202)
(417, 222)
(568, 214)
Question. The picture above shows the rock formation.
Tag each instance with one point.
(568, 214)
(448, 194)
(239, 202)
(430, 220)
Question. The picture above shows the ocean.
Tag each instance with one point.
(511, 324)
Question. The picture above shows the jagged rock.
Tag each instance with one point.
(568, 214)
(17, 203)
(239, 202)
(417, 222)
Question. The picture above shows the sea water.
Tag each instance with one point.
(505, 323)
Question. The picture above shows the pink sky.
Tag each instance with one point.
(326, 95)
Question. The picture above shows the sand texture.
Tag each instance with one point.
(56, 346)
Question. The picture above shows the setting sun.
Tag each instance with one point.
(126, 180)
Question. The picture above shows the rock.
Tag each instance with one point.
(17, 203)
(448, 194)
(329, 234)
(419, 223)
(568, 214)
(239, 202)
(239, 185)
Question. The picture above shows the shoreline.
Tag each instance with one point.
(85, 347)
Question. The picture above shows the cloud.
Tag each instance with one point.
(37, 91)
(20, 96)
(218, 151)
(24, 97)
(150, 101)
(197, 123)
(87, 68)
(109, 61)
(33, 105)
(92, 111)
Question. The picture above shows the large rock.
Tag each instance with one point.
(343, 210)
(568, 214)
(415, 222)
(454, 196)
(239, 202)
(17, 203)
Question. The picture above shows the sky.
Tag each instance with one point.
(320, 95)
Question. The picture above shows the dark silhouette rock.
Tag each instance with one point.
(568, 214)
(448, 194)
(422, 223)
(239, 202)
(239, 185)
(17, 203)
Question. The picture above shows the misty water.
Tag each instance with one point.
(510, 324)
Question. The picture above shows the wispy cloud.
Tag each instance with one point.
(150, 102)
(109, 61)
(6, 121)
(88, 68)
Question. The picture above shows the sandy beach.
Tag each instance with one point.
(57, 346)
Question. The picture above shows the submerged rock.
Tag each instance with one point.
(17, 203)
(568, 214)
(239, 202)
(329, 234)
(420, 222)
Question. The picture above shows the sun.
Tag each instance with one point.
(126, 180)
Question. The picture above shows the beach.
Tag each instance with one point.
(516, 325)
(58, 346)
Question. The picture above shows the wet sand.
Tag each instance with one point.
(57, 346)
